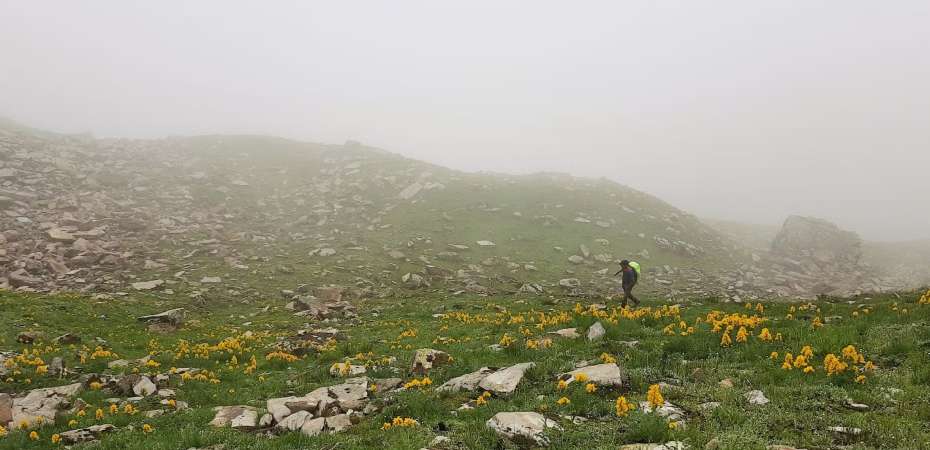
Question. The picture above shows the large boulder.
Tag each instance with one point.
(808, 238)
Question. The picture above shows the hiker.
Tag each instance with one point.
(630, 277)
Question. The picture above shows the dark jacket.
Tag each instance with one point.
(630, 277)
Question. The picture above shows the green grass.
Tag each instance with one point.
(802, 406)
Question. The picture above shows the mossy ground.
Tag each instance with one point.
(894, 334)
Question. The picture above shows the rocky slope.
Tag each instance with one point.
(252, 215)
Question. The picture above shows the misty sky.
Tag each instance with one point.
(745, 110)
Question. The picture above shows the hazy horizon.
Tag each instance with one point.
(728, 110)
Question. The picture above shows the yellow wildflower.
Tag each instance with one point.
(654, 396)
(725, 340)
(622, 406)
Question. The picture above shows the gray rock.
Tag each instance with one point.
(172, 317)
(522, 428)
(505, 381)
(45, 403)
(467, 382)
(148, 285)
(313, 427)
(608, 375)
(596, 332)
(338, 423)
(238, 417)
(756, 397)
(91, 433)
(425, 359)
(294, 421)
(568, 333)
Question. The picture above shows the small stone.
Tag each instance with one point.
(568, 333)
(856, 406)
(596, 332)
(756, 397)
(147, 285)
(426, 358)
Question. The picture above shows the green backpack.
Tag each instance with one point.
(635, 266)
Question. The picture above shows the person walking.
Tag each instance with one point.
(628, 281)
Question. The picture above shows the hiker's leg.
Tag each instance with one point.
(628, 295)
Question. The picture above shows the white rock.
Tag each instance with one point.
(144, 387)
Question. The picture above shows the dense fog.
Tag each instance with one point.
(745, 111)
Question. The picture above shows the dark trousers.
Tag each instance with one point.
(628, 294)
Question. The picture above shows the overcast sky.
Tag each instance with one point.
(744, 110)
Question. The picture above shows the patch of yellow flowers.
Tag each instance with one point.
(399, 422)
(282, 356)
(924, 299)
(418, 383)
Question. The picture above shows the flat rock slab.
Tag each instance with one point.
(171, 316)
(148, 285)
(42, 403)
(238, 417)
(673, 445)
(568, 333)
(88, 434)
(601, 374)
(523, 428)
(505, 381)
(467, 382)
